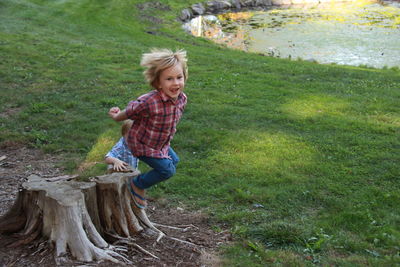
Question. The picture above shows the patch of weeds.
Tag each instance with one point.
(278, 233)
(373, 253)
(236, 215)
(387, 238)
(69, 104)
(56, 111)
(240, 230)
(353, 220)
(39, 137)
(253, 253)
(38, 107)
(242, 196)
(255, 246)
(217, 228)
(314, 245)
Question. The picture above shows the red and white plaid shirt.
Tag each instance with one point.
(155, 117)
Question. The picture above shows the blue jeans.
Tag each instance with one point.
(162, 170)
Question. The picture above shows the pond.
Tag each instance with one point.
(352, 33)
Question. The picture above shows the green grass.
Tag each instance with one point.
(299, 160)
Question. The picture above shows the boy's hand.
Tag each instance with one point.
(116, 114)
(113, 112)
(120, 166)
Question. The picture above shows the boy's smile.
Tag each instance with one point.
(172, 81)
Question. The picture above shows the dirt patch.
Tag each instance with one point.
(199, 249)
(18, 164)
(9, 112)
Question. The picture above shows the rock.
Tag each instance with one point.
(198, 9)
(247, 3)
(281, 2)
(236, 4)
(186, 15)
(217, 6)
(263, 3)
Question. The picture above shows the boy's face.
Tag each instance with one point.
(172, 81)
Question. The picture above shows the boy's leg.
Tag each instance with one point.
(162, 170)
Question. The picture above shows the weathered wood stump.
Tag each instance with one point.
(79, 217)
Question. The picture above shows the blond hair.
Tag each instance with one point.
(160, 59)
(126, 126)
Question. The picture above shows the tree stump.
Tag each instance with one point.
(79, 217)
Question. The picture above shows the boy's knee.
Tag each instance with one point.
(176, 160)
(168, 172)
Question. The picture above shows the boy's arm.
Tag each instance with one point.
(116, 114)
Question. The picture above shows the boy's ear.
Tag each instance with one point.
(155, 84)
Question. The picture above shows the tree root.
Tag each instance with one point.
(131, 241)
(182, 228)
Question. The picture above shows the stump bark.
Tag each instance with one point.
(78, 217)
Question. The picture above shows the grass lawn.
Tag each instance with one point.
(299, 160)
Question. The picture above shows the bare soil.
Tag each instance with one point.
(201, 245)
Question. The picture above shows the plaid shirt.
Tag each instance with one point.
(155, 117)
(121, 151)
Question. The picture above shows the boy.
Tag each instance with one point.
(155, 116)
